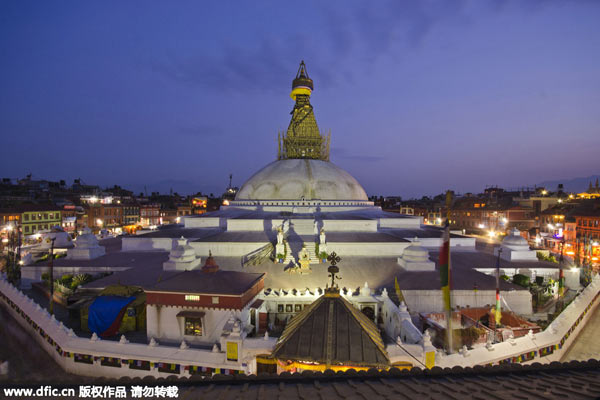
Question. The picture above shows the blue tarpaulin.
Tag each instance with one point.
(107, 311)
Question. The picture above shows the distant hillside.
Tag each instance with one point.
(576, 185)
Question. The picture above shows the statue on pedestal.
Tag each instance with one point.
(280, 246)
(322, 242)
(304, 259)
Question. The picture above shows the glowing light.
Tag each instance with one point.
(550, 226)
(544, 192)
(9, 228)
(93, 199)
(438, 220)
(595, 244)
(594, 258)
(491, 233)
(225, 202)
(570, 253)
(5, 240)
(99, 222)
(481, 226)
(177, 220)
(504, 220)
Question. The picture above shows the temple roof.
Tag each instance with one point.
(331, 331)
(219, 282)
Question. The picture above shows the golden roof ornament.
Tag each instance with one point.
(303, 140)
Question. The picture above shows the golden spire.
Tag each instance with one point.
(303, 139)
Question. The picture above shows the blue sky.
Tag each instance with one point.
(420, 96)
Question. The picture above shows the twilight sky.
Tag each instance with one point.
(420, 96)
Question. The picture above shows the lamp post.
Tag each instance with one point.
(498, 314)
(51, 302)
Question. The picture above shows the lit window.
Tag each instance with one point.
(193, 326)
(215, 300)
(192, 297)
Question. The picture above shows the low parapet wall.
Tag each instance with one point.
(112, 359)
(543, 347)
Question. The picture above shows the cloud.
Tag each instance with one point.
(343, 43)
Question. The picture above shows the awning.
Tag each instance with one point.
(190, 314)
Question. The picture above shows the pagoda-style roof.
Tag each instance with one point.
(332, 332)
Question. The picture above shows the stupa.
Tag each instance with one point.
(302, 170)
(86, 247)
(299, 208)
(515, 248)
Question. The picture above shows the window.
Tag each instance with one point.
(279, 307)
(192, 297)
(193, 326)
(26, 217)
(26, 228)
(298, 307)
(215, 300)
(288, 308)
(45, 215)
(33, 217)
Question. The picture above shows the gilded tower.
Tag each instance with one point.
(303, 139)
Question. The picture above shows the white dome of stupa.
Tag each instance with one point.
(415, 252)
(415, 258)
(183, 252)
(515, 239)
(296, 179)
(86, 240)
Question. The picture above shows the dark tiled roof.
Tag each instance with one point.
(220, 282)
(331, 331)
(574, 380)
(555, 381)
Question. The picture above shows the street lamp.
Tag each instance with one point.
(51, 303)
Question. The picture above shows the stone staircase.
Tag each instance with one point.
(311, 247)
(289, 257)
(293, 255)
(302, 226)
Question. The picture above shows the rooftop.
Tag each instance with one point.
(333, 332)
(219, 282)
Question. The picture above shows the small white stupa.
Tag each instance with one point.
(182, 257)
(515, 248)
(61, 239)
(415, 258)
(86, 247)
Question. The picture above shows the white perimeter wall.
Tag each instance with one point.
(69, 342)
(519, 301)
